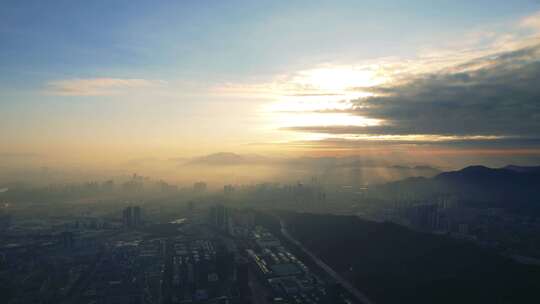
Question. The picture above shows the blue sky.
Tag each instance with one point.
(222, 40)
(77, 73)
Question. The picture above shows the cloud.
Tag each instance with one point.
(100, 86)
(498, 98)
(531, 22)
(342, 78)
(530, 144)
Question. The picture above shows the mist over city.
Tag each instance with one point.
(269, 152)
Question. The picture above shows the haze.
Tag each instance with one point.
(269, 152)
(90, 88)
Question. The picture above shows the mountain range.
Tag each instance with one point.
(511, 187)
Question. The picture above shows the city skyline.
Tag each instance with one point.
(269, 152)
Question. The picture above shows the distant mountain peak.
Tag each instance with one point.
(226, 158)
(475, 172)
(476, 168)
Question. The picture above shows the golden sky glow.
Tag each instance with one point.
(272, 82)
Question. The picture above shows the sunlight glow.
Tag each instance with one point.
(415, 137)
(337, 78)
(322, 97)
(283, 120)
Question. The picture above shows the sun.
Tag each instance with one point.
(323, 96)
(337, 79)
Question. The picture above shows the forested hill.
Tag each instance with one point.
(393, 264)
(512, 187)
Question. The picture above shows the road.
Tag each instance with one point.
(348, 286)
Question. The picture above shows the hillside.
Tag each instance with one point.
(395, 265)
(514, 188)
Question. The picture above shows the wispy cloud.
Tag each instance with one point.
(342, 78)
(531, 22)
(100, 86)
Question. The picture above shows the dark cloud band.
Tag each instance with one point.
(495, 96)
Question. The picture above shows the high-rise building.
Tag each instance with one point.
(219, 217)
(228, 189)
(127, 216)
(199, 187)
(132, 217)
(137, 219)
(5, 221)
(425, 217)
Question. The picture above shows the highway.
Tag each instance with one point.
(348, 286)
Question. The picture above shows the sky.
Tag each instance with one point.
(104, 82)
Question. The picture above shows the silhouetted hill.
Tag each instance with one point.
(512, 187)
(226, 159)
(483, 175)
(393, 264)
